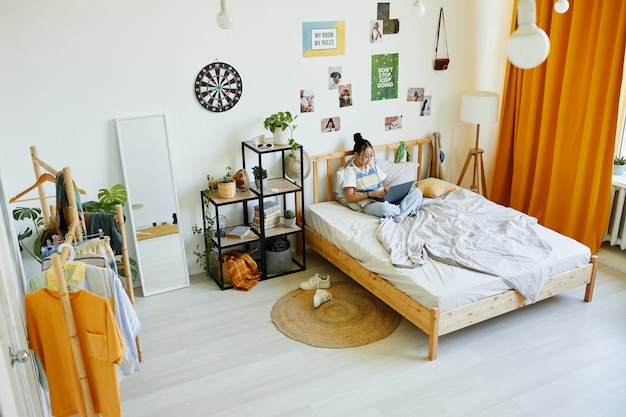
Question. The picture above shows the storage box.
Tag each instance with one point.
(278, 262)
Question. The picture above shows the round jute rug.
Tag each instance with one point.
(354, 317)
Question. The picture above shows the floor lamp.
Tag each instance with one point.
(478, 107)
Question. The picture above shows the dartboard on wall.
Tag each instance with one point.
(218, 87)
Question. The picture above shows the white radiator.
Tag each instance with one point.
(616, 232)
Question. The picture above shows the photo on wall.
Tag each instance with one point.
(415, 94)
(390, 25)
(345, 95)
(376, 31)
(425, 107)
(393, 122)
(331, 124)
(307, 101)
(334, 77)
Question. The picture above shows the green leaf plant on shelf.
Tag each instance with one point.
(260, 176)
(278, 123)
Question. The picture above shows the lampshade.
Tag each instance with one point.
(479, 107)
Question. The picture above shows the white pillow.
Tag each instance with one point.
(398, 173)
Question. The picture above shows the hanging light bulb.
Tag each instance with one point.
(561, 6)
(418, 9)
(529, 45)
(224, 19)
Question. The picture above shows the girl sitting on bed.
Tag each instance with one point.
(363, 184)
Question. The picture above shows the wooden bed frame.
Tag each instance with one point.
(431, 321)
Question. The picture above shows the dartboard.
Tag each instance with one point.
(218, 87)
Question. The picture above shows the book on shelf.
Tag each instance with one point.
(268, 222)
(271, 210)
(268, 206)
(240, 232)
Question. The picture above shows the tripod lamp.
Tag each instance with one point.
(478, 107)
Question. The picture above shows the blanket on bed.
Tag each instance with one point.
(465, 229)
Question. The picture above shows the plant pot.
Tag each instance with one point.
(226, 189)
(280, 136)
(258, 182)
(619, 169)
(289, 222)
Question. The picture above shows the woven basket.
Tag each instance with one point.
(278, 262)
(226, 189)
(227, 279)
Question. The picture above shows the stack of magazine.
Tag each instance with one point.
(271, 215)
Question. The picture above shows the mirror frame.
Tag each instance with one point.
(131, 225)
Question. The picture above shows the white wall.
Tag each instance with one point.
(70, 67)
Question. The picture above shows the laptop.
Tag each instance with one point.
(396, 193)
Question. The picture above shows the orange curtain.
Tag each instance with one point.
(557, 133)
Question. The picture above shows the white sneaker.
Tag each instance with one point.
(320, 297)
(315, 282)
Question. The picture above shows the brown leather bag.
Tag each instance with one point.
(441, 64)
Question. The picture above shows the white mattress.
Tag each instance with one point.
(435, 283)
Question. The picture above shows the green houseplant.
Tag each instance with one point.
(260, 176)
(290, 218)
(619, 165)
(278, 123)
(227, 187)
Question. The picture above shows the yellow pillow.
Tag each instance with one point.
(434, 187)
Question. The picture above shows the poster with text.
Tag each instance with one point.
(323, 38)
(384, 76)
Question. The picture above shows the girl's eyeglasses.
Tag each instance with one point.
(265, 145)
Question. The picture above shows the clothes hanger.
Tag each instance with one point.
(70, 264)
(42, 179)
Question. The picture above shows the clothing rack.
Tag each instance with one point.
(57, 261)
(75, 233)
(48, 212)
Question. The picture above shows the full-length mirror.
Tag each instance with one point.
(152, 203)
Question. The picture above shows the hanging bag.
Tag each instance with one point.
(441, 63)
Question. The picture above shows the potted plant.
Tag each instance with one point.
(260, 176)
(289, 218)
(278, 123)
(619, 165)
(227, 187)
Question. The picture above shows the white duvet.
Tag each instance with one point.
(464, 229)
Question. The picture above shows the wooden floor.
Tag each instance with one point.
(213, 353)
